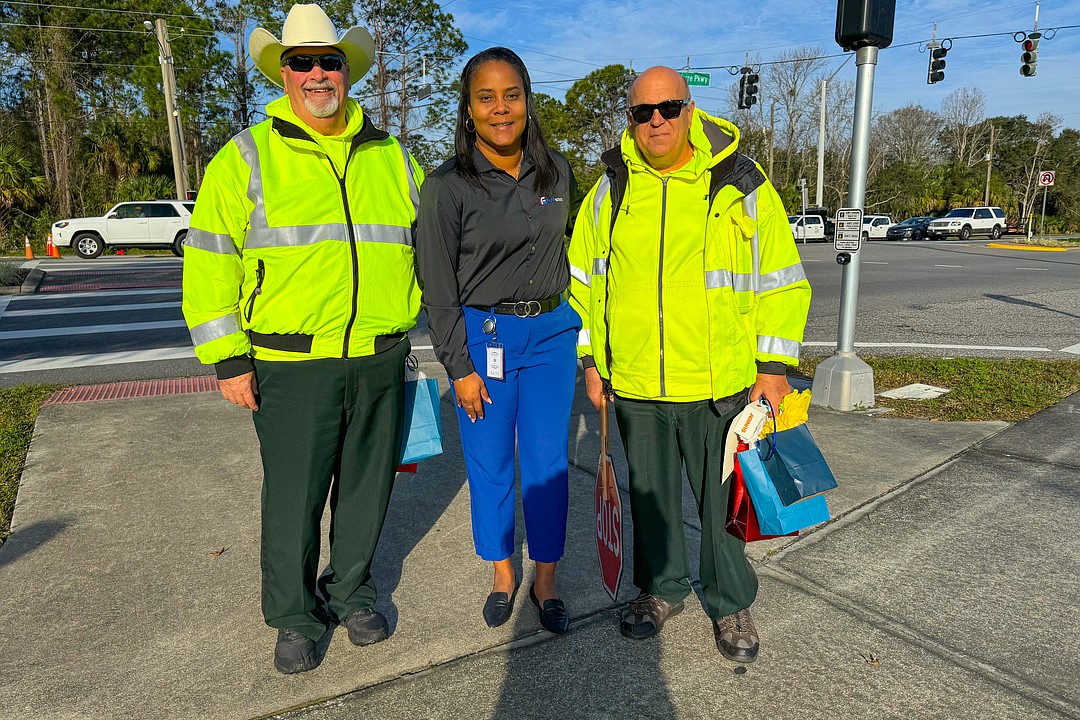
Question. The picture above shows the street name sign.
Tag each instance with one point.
(848, 236)
(697, 79)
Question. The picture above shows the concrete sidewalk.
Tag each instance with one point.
(951, 567)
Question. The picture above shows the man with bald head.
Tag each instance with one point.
(693, 303)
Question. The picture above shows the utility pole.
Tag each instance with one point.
(821, 136)
(168, 80)
(989, 163)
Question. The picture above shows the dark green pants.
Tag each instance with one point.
(332, 428)
(660, 437)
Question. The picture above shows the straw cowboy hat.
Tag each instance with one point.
(308, 26)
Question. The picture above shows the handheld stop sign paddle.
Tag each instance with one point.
(609, 545)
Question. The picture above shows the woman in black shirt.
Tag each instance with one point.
(491, 251)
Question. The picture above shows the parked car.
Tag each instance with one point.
(967, 221)
(914, 228)
(875, 227)
(152, 224)
(807, 228)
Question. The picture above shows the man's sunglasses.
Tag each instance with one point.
(331, 62)
(669, 110)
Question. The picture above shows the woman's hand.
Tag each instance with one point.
(470, 390)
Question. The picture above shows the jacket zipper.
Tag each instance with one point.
(260, 273)
(352, 249)
(660, 285)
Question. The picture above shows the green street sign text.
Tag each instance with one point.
(697, 78)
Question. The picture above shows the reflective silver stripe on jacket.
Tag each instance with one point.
(782, 278)
(750, 208)
(250, 153)
(414, 190)
(739, 282)
(214, 329)
(599, 266)
(211, 242)
(296, 235)
(598, 198)
(778, 346)
(583, 338)
(580, 275)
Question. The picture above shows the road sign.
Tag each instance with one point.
(697, 79)
(1046, 178)
(848, 234)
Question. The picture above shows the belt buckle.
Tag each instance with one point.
(525, 308)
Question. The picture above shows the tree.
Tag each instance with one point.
(964, 134)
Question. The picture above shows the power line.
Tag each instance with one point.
(102, 10)
(193, 33)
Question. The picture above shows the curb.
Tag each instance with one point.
(32, 281)
(1036, 248)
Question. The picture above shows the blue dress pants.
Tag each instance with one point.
(529, 411)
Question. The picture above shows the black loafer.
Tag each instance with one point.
(553, 614)
(499, 607)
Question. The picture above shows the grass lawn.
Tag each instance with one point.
(980, 389)
(18, 411)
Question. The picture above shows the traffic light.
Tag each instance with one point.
(748, 87)
(935, 73)
(1030, 58)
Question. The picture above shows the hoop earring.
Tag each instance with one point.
(469, 122)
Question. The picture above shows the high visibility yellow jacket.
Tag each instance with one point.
(301, 245)
(708, 264)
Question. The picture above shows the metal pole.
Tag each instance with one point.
(1042, 219)
(843, 381)
(176, 135)
(821, 147)
(989, 162)
(866, 62)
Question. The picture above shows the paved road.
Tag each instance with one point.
(951, 298)
(118, 318)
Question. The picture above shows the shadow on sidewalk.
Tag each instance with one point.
(28, 538)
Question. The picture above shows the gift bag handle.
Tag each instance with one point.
(772, 445)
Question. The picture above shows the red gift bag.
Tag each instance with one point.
(741, 520)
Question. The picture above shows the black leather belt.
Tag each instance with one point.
(529, 308)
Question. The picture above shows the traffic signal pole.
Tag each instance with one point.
(843, 381)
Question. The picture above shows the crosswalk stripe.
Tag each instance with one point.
(113, 358)
(87, 309)
(90, 329)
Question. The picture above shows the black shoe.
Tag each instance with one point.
(499, 607)
(645, 616)
(295, 653)
(553, 614)
(366, 627)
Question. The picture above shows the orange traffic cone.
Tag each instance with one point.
(50, 249)
(29, 250)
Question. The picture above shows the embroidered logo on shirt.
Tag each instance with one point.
(549, 200)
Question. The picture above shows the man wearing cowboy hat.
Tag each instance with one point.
(299, 287)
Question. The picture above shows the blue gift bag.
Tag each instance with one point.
(774, 517)
(421, 437)
(801, 471)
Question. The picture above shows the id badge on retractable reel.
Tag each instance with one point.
(494, 351)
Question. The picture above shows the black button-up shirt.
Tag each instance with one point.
(478, 247)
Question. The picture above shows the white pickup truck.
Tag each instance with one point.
(807, 228)
(152, 224)
(876, 227)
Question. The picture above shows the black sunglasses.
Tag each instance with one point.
(331, 62)
(669, 110)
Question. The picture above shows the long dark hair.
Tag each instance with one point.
(532, 139)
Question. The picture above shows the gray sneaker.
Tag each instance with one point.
(366, 627)
(295, 653)
(736, 637)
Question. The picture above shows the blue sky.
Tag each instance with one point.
(561, 40)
